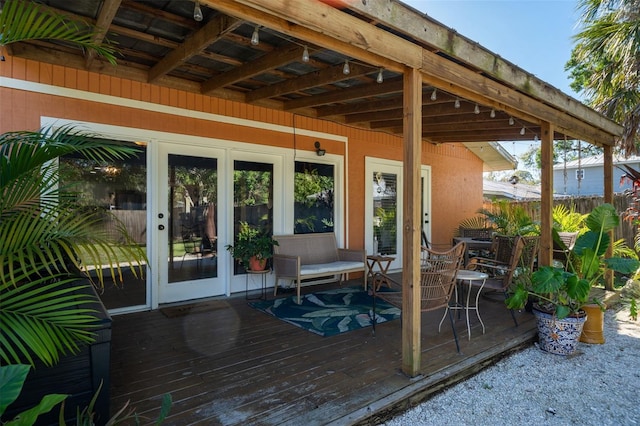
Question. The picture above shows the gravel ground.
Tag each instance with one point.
(599, 385)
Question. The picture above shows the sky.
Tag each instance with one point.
(535, 35)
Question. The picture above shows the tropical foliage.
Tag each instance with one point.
(510, 219)
(22, 20)
(47, 246)
(564, 292)
(567, 219)
(605, 63)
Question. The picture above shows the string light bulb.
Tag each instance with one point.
(380, 77)
(535, 138)
(255, 37)
(456, 104)
(305, 54)
(476, 110)
(346, 69)
(492, 114)
(434, 94)
(511, 122)
(197, 12)
(522, 131)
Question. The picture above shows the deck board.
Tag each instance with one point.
(230, 364)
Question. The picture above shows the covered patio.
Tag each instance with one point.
(225, 363)
(245, 67)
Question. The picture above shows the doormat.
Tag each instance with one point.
(193, 308)
(330, 312)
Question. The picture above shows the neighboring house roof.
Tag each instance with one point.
(596, 160)
(520, 191)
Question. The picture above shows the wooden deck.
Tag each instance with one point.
(225, 363)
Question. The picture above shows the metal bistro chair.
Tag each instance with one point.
(437, 282)
(503, 267)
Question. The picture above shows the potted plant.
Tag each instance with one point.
(559, 295)
(252, 248)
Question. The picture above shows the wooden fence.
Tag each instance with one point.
(584, 205)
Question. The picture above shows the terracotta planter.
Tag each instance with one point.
(256, 264)
(593, 330)
(558, 336)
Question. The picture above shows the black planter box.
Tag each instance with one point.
(77, 375)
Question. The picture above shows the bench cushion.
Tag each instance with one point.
(331, 268)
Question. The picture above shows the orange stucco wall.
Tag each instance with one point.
(456, 172)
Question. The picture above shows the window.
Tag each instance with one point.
(313, 198)
(384, 213)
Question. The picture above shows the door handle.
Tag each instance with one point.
(161, 227)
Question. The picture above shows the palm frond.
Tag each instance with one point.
(22, 20)
(44, 318)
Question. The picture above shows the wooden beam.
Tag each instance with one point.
(313, 79)
(356, 92)
(399, 17)
(213, 30)
(103, 22)
(411, 223)
(608, 198)
(324, 26)
(546, 200)
(477, 88)
(278, 57)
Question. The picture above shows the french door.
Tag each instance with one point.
(188, 217)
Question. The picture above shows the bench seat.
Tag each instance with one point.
(302, 256)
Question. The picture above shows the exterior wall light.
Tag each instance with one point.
(319, 151)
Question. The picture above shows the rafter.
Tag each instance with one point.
(105, 17)
(276, 58)
(197, 42)
(322, 77)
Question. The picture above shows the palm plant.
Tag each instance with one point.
(605, 60)
(510, 219)
(567, 219)
(41, 261)
(22, 20)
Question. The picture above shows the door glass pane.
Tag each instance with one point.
(313, 198)
(193, 240)
(252, 199)
(384, 213)
(118, 188)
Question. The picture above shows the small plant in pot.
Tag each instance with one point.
(252, 248)
(558, 295)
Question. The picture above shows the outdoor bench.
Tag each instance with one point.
(302, 256)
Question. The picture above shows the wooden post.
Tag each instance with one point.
(411, 315)
(608, 198)
(545, 256)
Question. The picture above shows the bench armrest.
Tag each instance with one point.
(352, 255)
(286, 265)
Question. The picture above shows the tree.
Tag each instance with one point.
(569, 150)
(605, 63)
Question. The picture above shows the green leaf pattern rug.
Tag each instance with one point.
(330, 312)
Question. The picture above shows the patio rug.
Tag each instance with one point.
(330, 312)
